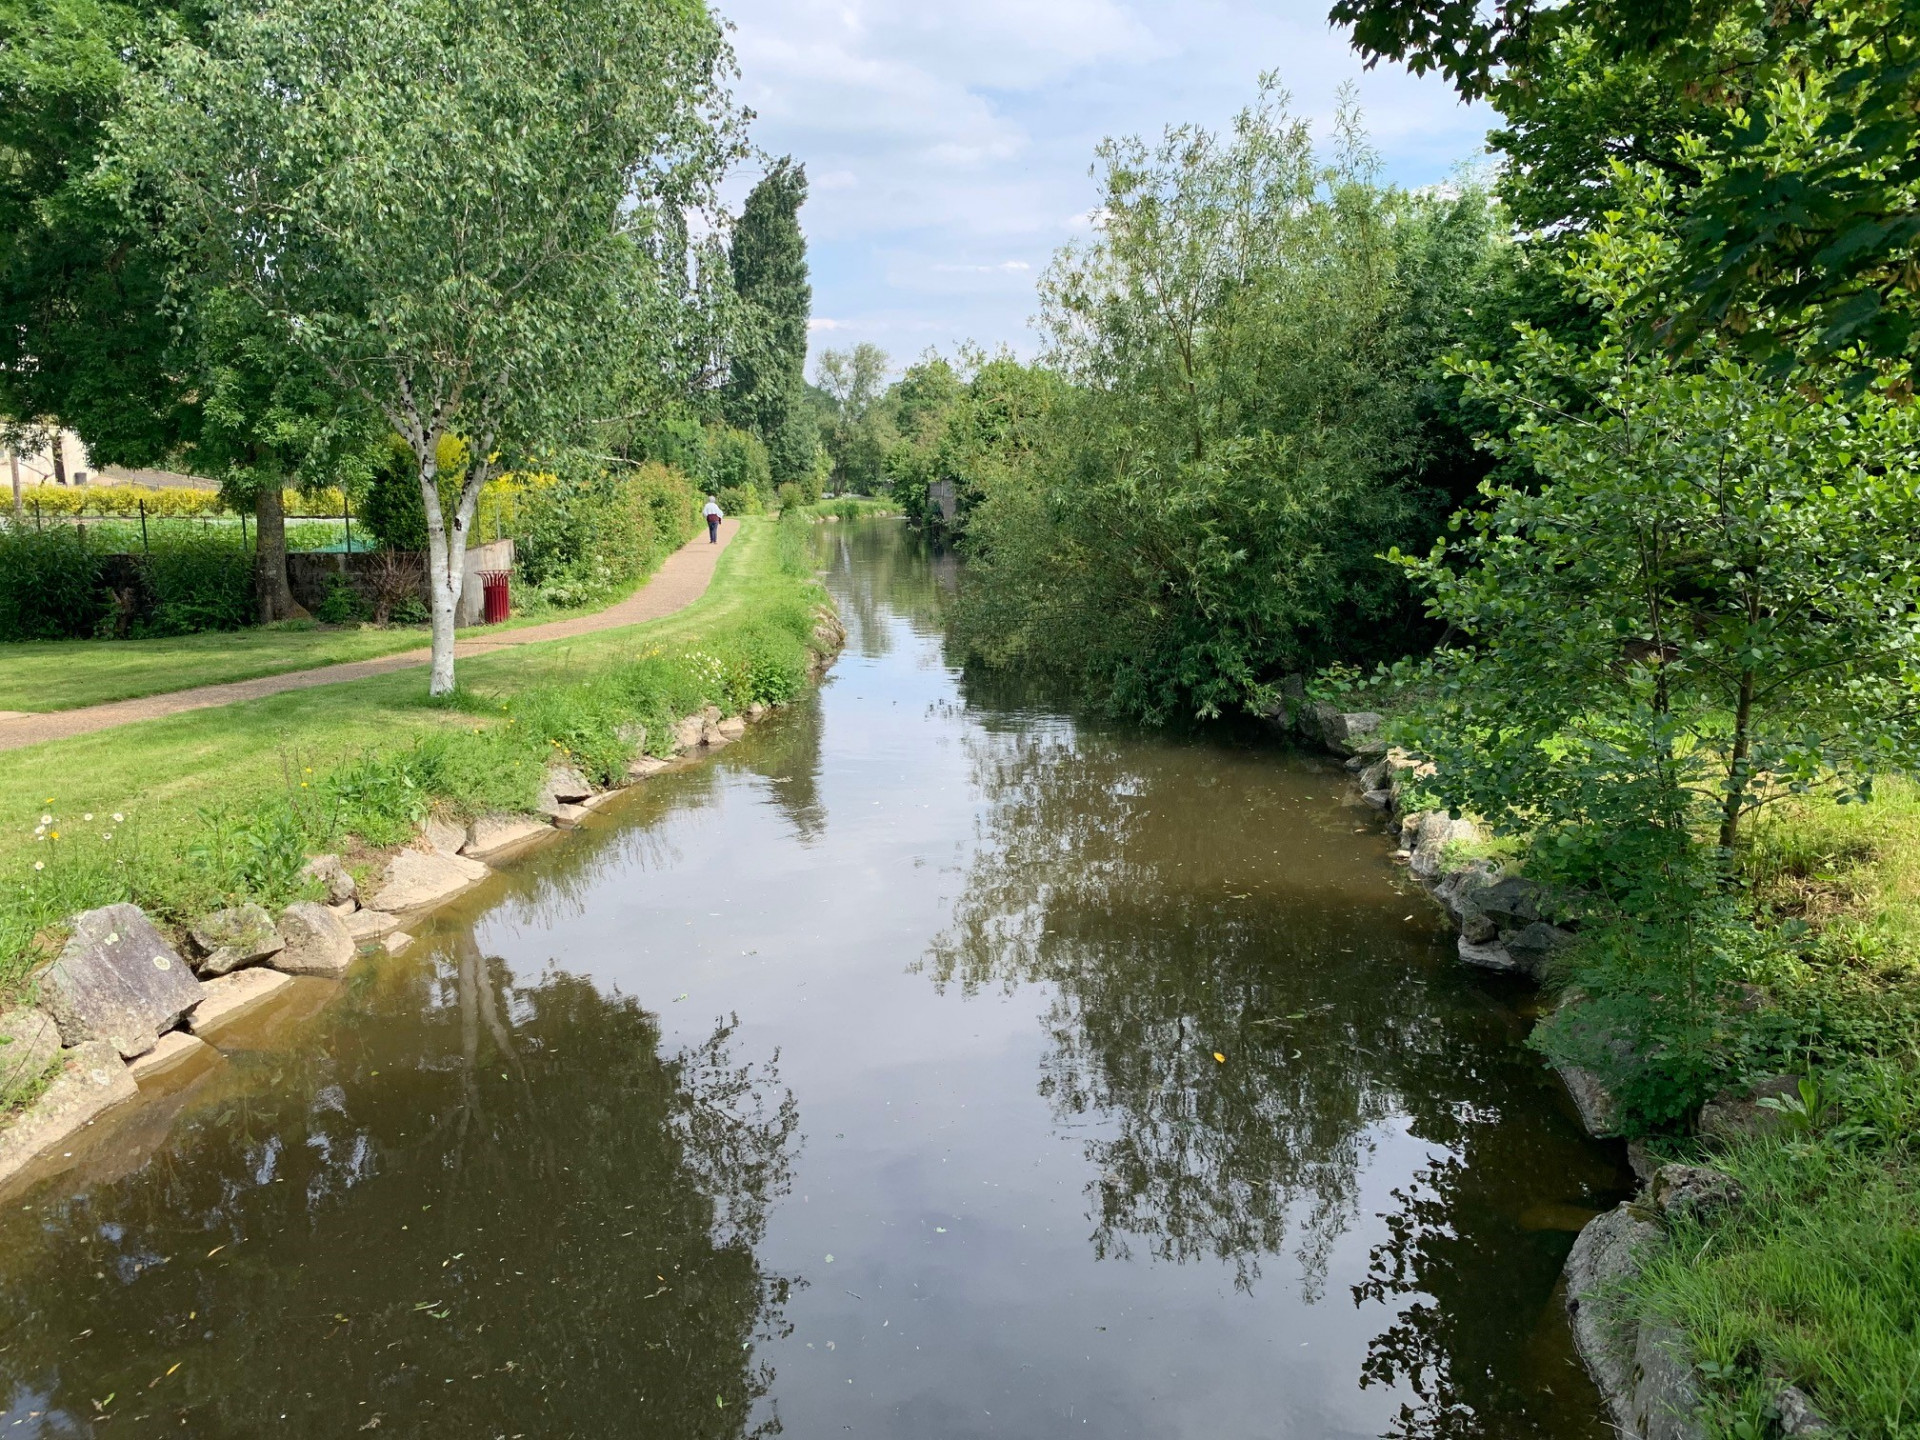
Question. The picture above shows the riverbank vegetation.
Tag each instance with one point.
(184, 814)
(1600, 480)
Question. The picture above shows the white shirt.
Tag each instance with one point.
(713, 511)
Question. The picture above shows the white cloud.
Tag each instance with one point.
(945, 144)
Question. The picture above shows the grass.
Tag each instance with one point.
(44, 675)
(183, 813)
(1811, 1280)
(47, 675)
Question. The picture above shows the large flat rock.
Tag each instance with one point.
(28, 1042)
(177, 1049)
(93, 1082)
(417, 880)
(117, 980)
(496, 834)
(232, 996)
(317, 941)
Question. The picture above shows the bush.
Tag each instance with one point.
(198, 584)
(50, 586)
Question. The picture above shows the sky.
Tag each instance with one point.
(947, 146)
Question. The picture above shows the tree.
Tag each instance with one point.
(763, 392)
(1802, 230)
(1248, 339)
(854, 382)
(1708, 598)
(452, 210)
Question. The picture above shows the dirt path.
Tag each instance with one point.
(680, 581)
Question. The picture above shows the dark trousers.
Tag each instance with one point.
(713, 529)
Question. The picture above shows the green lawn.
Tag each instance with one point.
(45, 675)
(41, 675)
(163, 770)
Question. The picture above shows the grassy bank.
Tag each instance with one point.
(185, 813)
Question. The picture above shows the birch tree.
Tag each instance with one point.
(461, 209)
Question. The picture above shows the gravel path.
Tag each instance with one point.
(680, 581)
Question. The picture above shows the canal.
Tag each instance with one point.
(931, 1064)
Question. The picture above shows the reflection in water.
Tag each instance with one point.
(1219, 1018)
(465, 1206)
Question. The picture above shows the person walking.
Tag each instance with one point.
(714, 517)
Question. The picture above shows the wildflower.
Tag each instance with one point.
(39, 864)
(118, 818)
(87, 816)
(106, 834)
(56, 834)
(46, 819)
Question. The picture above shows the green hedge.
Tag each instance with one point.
(60, 585)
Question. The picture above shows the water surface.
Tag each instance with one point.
(930, 1065)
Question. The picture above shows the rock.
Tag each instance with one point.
(633, 735)
(1375, 776)
(1692, 1191)
(1437, 832)
(1535, 945)
(1598, 1110)
(344, 909)
(1378, 799)
(568, 816)
(232, 996)
(230, 939)
(1797, 1414)
(1344, 733)
(1605, 1256)
(368, 925)
(755, 712)
(317, 941)
(563, 785)
(117, 979)
(1456, 891)
(92, 1082)
(444, 835)
(645, 765)
(492, 834)
(1493, 956)
(416, 880)
(733, 727)
(28, 1042)
(1512, 902)
(1666, 1397)
(397, 941)
(328, 870)
(1738, 1115)
(690, 733)
(176, 1048)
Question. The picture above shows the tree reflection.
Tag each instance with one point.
(462, 1208)
(874, 578)
(1188, 902)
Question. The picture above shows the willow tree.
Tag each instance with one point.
(457, 208)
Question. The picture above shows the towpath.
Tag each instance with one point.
(682, 579)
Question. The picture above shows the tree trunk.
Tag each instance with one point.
(57, 447)
(447, 560)
(19, 506)
(273, 599)
(1737, 764)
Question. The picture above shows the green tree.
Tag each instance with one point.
(1249, 340)
(1801, 232)
(766, 375)
(454, 212)
(854, 381)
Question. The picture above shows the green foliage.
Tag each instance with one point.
(342, 604)
(765, 387)
(858, 434)
(1249, 343)
(1809, 1280)
(198, 583)
(49, 585)
(392, 511)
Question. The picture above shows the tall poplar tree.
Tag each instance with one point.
(768, 367)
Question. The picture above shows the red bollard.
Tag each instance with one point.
(498, 601)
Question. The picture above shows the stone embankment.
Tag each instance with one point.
(125, 1004)
(1509, 924)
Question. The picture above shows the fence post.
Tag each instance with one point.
(346, 519)
(39, 522)
(145, 548)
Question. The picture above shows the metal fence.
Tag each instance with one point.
(39, 518)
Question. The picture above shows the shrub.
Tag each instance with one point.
(341, 605)
(198, 584)
(50, 585)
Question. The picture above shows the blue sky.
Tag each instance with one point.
(948, 145)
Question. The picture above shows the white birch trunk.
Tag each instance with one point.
(446, 561)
